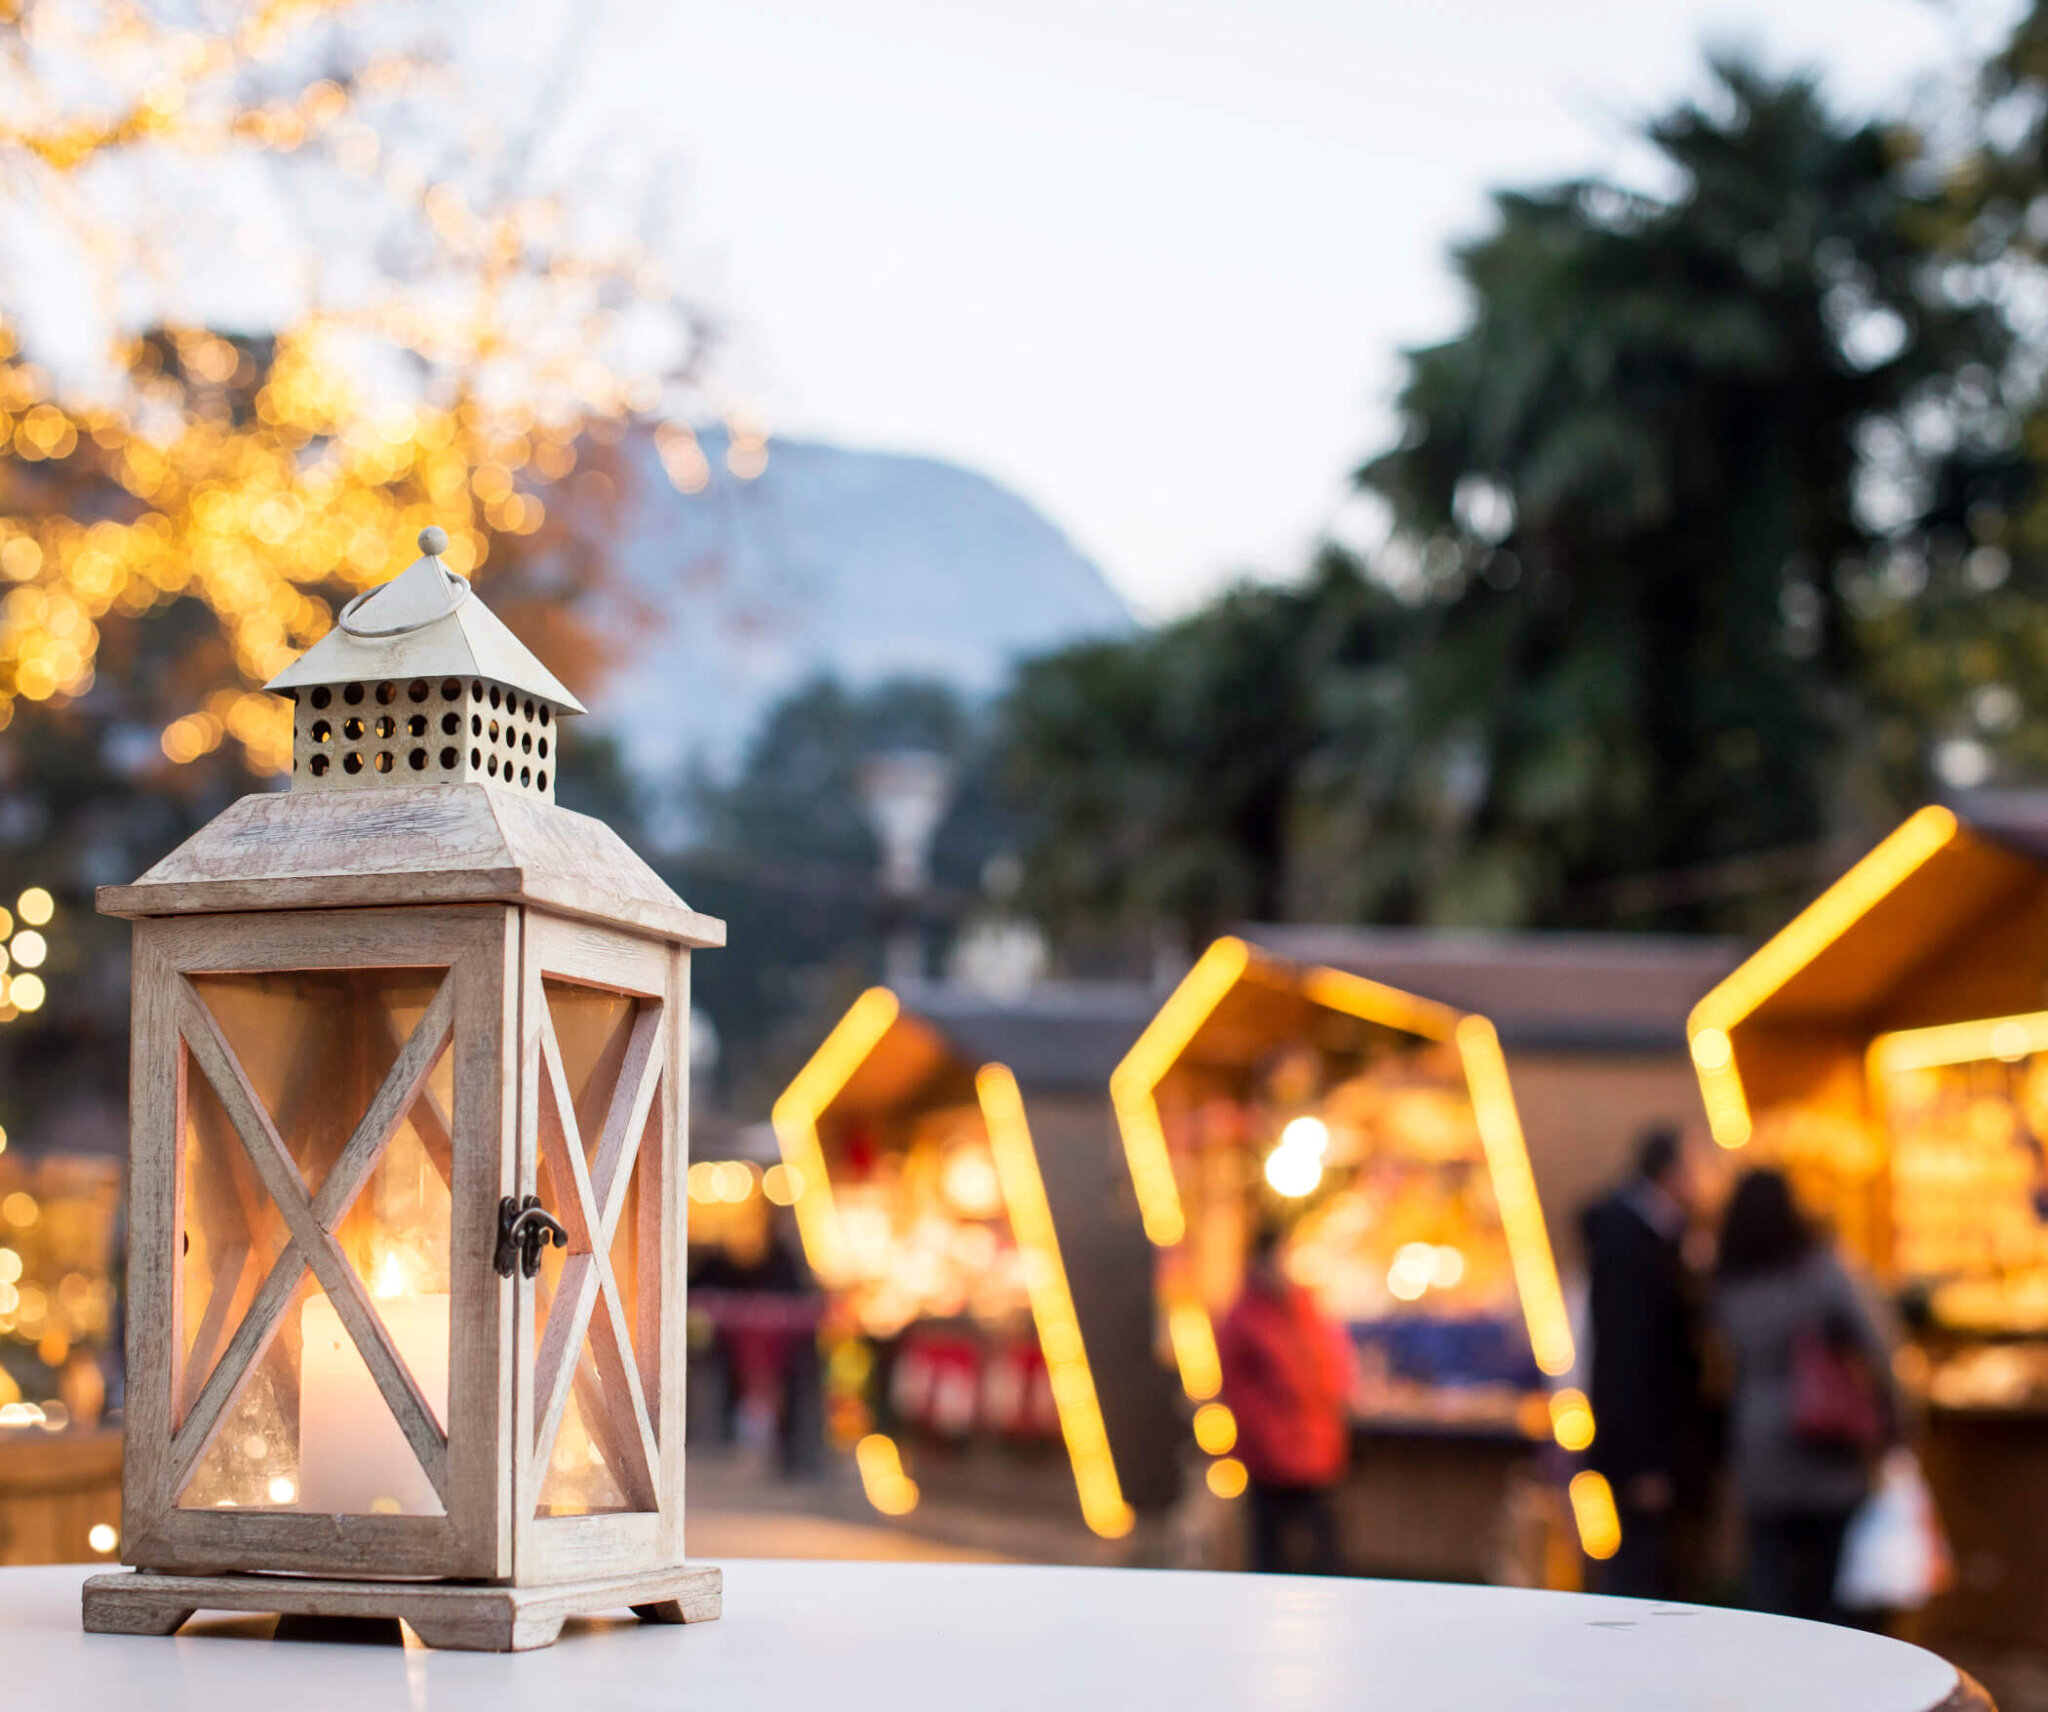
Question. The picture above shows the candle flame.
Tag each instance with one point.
(390, 1280)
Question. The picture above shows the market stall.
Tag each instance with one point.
(950, 1166)
(1889, 1049)
(1380, 1128)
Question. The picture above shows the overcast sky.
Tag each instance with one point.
(1150, 263)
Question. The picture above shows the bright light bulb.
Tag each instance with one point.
(1293, 1171)
(1310, 1134)
(391, 1280)
(282, 1489)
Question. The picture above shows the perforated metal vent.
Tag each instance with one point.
(418, 731)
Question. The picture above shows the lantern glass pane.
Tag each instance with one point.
(306, 1426)
(598, 1435)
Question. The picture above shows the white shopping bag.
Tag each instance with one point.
(1894, 1556)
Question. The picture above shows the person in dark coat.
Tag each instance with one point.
(1780, 1283)
(1646, 1386)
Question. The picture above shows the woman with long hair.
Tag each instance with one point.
(1813, 1401)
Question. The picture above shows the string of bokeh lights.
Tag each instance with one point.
(270, 515)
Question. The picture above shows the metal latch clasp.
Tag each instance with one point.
(524, 1229)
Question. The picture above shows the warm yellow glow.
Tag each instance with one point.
(390, 1281)
(28, 949)
(1194, 1351)
(1571, 1419)
(1052, 1303)
(20, 1209)
(10, 1266)
(1824, 920)
(283, 1489)
(3, 1139)
(1132, 1084)
(1514, 1191)
(803, 1102)
(1215, 1429)
(882, 1479)
(782, 1184)
(1372, 1001)
(1593, 1510)
(1227, 1478)
(2009, 1038)
(1310, 1134)
(35, 906)
(1790, 950)
(1293, 1171)
(102, 1537)
(26, 992)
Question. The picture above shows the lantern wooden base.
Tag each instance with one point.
(443, 1614)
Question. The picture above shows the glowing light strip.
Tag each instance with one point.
(1132, 1083)
(795, 1120)
(1052, 1303)
(2009, 1038)
(882, 1479)
(1790, 950)
(1593, 1510)
(1514, 1191)
(1194, 1350)
(1374, 1001)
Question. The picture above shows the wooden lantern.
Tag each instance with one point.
(408, 1109)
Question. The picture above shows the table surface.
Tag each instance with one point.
(894, 1637)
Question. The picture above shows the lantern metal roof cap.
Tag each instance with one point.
(423, 623)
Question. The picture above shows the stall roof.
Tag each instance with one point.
(1058, 1036)
(1586, 992)
(1945, 921)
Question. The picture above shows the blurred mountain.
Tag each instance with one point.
(863, 565)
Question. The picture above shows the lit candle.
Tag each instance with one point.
(353, 1458)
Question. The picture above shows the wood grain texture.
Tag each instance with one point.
(412, 845)
(155, 1219)
(316, 1244)
(639, 1134)
(475, 1011)
(470, 1618)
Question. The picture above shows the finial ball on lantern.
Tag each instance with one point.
(433, 541)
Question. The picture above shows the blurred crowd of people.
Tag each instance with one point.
(1742, 1360)
(1735, 1361)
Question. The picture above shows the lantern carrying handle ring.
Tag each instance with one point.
(524, 1229)
(458, 591)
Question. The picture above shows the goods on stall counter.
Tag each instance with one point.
(952, 1385)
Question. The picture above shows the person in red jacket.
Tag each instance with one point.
(1286, 1371)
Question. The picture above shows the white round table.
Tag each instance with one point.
(849, 1637)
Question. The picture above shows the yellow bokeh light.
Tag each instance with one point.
(102, 1537)
(1227, 1478)
(782, 1184)
(28, 949)
(1215, 1429)
(1052, 1304)
(1593, 1511)
(20, 1209)
(35, 906)
(882, 1479)
(1571, 1419)
(25, 992)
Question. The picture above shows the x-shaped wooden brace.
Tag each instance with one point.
(311, 1223)
(586, 1296)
